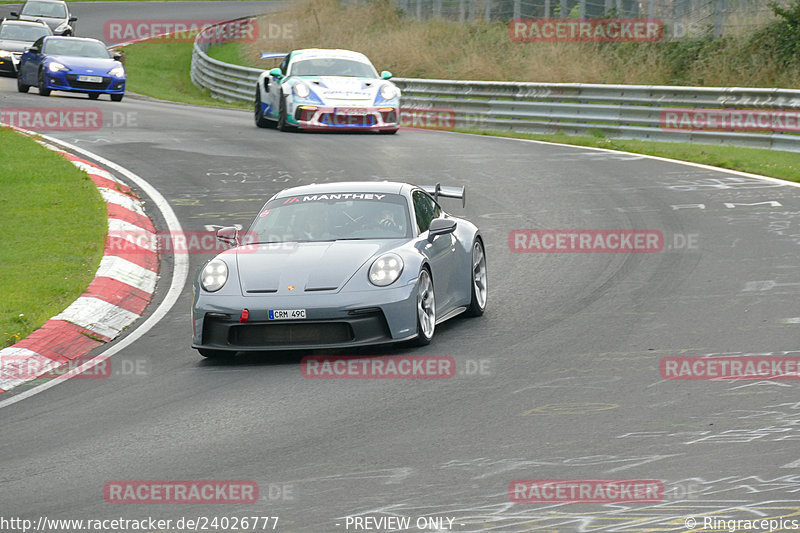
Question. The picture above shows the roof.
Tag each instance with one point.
(18, 22)
(311, 53)
(388, 187)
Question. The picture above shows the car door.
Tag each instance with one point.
(273, 88)
(440, 252)
(29, 63)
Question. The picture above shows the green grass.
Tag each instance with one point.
(778, 164)
(161, 70)
(228, 53)
(52, 233)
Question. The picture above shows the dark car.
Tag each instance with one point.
(15, 37)
(54, 13)
(73, 64)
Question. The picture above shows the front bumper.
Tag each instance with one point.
(364, 118)
(9, 64)
(68, 81)
(334, 320)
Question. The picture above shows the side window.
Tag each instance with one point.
(285, 64)
(425, 209)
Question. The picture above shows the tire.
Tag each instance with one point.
(426, 309)
(116, 97)
(282, 124)
(21, 87)
(43, 90)
(93, 96)
(260, 121)
(479, 288)
(216, 354)
(387, 132)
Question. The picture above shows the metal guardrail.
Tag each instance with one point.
(615, 111)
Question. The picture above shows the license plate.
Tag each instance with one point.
(91, 79)
(286, 314)
(350, 111)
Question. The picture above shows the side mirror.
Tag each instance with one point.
(117, 55)
(276, 72)
(441, 226)
(14, 14)
(228, 235)
(73, 19)
(385, 75)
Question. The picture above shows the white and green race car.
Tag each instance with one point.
(315, 89)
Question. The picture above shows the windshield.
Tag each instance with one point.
(44, 9)
(327, 217)
(326, 66)
(20, 32)
(79, 48)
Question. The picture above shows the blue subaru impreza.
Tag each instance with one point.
(73, 64)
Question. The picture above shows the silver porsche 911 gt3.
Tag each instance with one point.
(340, 265)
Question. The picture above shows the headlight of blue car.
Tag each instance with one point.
(117, 72)
(214, 275)
(385, 270)
(55, 66)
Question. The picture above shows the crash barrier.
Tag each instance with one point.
(751, 117)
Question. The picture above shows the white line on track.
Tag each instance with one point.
(655, 157)
(180, 272)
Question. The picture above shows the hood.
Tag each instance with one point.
(308, 266)
(14, 46)
(343, 87)
(101, 66)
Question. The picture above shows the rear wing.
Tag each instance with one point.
(273, 55)
(438, 191)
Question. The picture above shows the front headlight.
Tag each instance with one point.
(55, 66)
(5, 53)
(214, 275)
(388, 91)
(301, 90)
(61, 27)
(117, 72)
(385, 270)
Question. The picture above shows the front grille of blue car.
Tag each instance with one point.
(72, 79)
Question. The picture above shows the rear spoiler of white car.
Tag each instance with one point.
(273, 55)
(438, 191)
